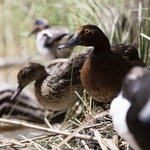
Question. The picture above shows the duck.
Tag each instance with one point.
(55, 85)
(104, 70)
(130, 109)
(49, 38)
(128, 52)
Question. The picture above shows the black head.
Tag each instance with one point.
(136, 82)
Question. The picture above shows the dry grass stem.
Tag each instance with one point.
(37, 146)
(110, 144)
(85, 145)
(84, 124)
(100, 140)
(66, 133)
(115, 140)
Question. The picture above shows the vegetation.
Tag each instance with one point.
(17, 18)
(121, 20)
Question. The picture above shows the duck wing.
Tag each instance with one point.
(67, 71)
(55, 38)
(129, 53)
(59, 36)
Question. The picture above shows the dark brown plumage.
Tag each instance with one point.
(129, 53)
(55, 86)
(103, 71)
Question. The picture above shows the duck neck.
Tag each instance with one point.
(46, 26)
(100, 51)
(102, 46)
(40, 86)
(42, 77)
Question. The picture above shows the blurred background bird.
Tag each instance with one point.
(49, 38)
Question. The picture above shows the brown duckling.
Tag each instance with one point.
(104, 70)
(55, 87)
(49, 38)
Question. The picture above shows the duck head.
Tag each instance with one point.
(87, 35)
(133, 82)
(39, 25)
(28, 74)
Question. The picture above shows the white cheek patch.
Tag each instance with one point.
(132, 76)
(144, 114)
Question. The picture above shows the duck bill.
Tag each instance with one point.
(31, 33)
(34, 30)
(17, 92)
(75, 40)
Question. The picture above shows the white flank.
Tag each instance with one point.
(118, 111)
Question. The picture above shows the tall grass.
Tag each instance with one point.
(144, 37)
(17, 18)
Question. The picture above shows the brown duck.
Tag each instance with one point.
(104, 69)
(55, 87)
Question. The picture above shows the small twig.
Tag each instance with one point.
(100, 140)
(12, 143)
(71, 113)
(79, 123)
(65, 143)
(115, 140)
(73, 134)
(94, 125)
(47, 113)
(80, 98)
(74, 123)
(110, 144)
(18, 123)
(104, 128)
(85, 145)
(24, 141)
(37, 146)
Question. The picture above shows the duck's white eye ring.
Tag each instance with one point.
(87, 30)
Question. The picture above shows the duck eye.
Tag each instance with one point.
(87, 30)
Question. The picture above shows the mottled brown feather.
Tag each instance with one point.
(55, 87)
